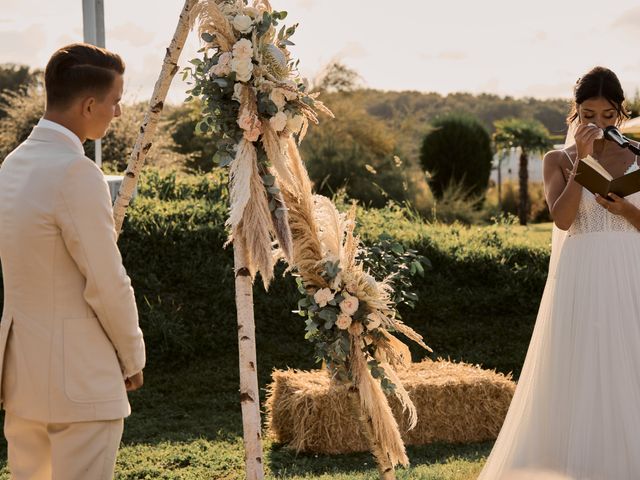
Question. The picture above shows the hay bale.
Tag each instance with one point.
(456, 403)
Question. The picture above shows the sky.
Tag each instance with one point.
(534, 48)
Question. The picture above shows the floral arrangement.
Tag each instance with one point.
(253, 98)
(254, 105)
(354, 304)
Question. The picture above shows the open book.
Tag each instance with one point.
(592, 176)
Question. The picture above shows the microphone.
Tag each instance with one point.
(612, 134)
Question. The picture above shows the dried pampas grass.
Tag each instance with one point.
(209, 18)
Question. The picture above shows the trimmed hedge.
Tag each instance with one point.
(477, 302)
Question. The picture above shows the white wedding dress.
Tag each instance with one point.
(575, 413)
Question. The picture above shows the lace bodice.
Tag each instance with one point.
(591, 217)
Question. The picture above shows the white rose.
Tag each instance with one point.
(294, 123)
(223, 67)
(242, 23)
(278, 98)
(243, 69)
(374, 321)
(323, 296)
(278, 121)
(349, 305)
(343, 321)
(243, 49)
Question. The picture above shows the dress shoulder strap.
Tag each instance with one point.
(564, 150)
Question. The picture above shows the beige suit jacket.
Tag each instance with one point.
(69, 333)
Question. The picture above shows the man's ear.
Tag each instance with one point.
(87, 106)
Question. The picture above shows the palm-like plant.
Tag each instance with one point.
(529, 136)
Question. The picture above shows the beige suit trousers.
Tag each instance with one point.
(62, 451)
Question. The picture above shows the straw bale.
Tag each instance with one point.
(456, 403)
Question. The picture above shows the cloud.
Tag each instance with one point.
(629, 20)
(23, 46)
(449, 55)
(131, 34)
(306, 4)
(452, 55)
(352, 49)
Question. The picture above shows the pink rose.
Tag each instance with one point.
(343, 321)
(349, 305)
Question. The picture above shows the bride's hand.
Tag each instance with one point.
(585, 135)
(617, 205)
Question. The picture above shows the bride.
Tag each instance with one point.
(576, 410)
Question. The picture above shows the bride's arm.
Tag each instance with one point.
(562, 195)
(621, 206)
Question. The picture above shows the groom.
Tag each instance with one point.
(70, 345)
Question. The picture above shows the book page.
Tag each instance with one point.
(593, 163)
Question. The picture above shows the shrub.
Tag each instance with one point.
(482, 290)
(457, 151)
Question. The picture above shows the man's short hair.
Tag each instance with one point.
(80, 69)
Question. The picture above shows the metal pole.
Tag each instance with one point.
(93, 27)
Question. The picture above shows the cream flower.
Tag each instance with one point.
(237, 91)
(278, 98)
(243, 49)
(323, 296)
(349, 304)
(288, 94)
(352, 286)
(253, 134)
(294, 123)
(343, 321)
(278, 121)
(223, 67)
(243, 69)
(242, 23)
(374, 321)
(252, 12)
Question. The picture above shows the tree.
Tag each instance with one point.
(337, 77)
(17, 79)
(457, 151)
(529, 136)
(354, 151)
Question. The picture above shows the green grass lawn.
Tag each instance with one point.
(187, 425)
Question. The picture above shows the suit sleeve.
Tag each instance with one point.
(85, 217)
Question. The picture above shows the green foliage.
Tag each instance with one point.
(121, 137)
(17, 79)
(353, 152)
(388, 258)
(529, 135)
(22, 113)
(25, 109)
(198, 149)
(457, 151)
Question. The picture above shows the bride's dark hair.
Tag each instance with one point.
(599, 82)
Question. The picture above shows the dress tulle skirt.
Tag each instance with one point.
(576, 410)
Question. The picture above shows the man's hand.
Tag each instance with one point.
(134, 382)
